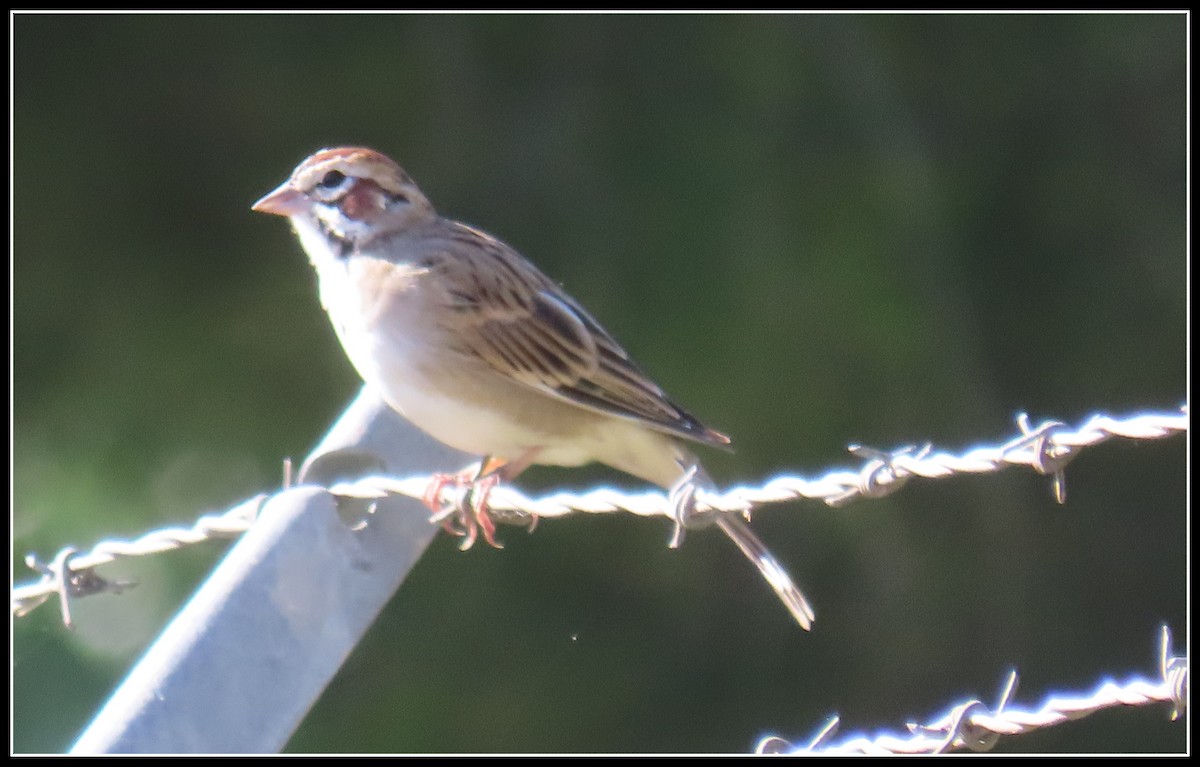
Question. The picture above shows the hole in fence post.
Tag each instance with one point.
(341, 465)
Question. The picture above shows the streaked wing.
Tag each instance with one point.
(527, 328)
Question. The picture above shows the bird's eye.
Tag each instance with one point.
(332, 180)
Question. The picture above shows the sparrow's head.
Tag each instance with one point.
(350, 194)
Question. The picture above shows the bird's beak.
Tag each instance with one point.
(283, 201)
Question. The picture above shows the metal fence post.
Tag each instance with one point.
(245, 659)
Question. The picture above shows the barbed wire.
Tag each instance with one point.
(1047, 448)
(973, 726)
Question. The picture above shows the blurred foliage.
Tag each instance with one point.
(812, 229)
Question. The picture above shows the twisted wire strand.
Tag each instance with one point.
(973, 726)
(1046, 447)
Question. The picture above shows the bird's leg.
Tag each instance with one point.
(433, 497)
(459, 517)
(471, 508)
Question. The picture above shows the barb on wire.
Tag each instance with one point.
(1048, 458)
(1046, 447)
(71, 574)
(971, 725)
(959, 728)
(67, 582)
(1174, 670)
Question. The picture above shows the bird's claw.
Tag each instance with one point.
(467, 514)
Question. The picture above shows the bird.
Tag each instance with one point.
(468, 340)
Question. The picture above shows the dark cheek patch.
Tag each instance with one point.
(362, 200)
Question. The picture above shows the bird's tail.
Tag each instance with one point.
(683, 494)
(756, 551)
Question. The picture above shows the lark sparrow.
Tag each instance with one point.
(471, 343)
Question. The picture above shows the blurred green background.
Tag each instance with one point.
(813, 230)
